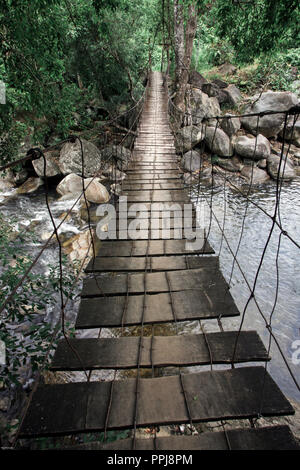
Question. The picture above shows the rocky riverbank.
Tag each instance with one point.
(247, 149)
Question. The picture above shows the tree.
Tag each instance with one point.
(184, 34)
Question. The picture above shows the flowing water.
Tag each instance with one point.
(286, 316)
(30, 210)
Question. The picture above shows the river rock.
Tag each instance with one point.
(79, 246)
(31, 185)
(220, 83)
(254, 148)
(292, 133)
(255, 175)
(192, 161)
(213, 91)
(95, 191)
(218, 142)
(231, 126)
(229, 164)
(187, 138)
(70, 159)
(269, 125)
(201, 106)
(52, 168)
(196, 79)
(233, 95)
(262, 164)
(273, 166)
(71, 184)
(117, 153)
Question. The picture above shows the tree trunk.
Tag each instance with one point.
(178, 41)
(182, 76)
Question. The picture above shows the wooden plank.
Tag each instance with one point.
(159, 351)
(154, 283)
(159, 263)
(127, 186)
(157, 195)
(154, 171)
(211, 396)
(152, 233)
(153, 247)
(155, 209)
(187, 305)
(266, 438)
(153, 176)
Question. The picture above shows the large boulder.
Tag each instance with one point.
(116, 154)
(214, 91)
(253, 148)
(187, 138)
(192, 161)
(95, 191)
(72, 185)
(196, 79)
(218, 142)
(255, 175)
(272, 124)
(202, 106)
(231, 125)
(220, 83)
(52, 168)
(230, 164)
(292, 132)
(70, 159)
(233, 95)
(287, 171)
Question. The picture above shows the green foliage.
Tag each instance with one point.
(29, 345)
(57, 55)
(258, 26)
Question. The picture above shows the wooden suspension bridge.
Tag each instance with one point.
(146, 282)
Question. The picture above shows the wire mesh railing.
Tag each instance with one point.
(177, 120)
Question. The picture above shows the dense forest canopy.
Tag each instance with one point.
(58, 55)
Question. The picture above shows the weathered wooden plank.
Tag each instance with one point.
(159, 351)
(154, 171)
(152, 233)
(153, 247)
(154, 283)
(170, 208)
(159, 263)
(157, 195)
(159, 308)
(266, 438)
(127, 186)
(214, 395)
(153, 176)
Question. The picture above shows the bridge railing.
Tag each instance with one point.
(132, 115)
(177, 118)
